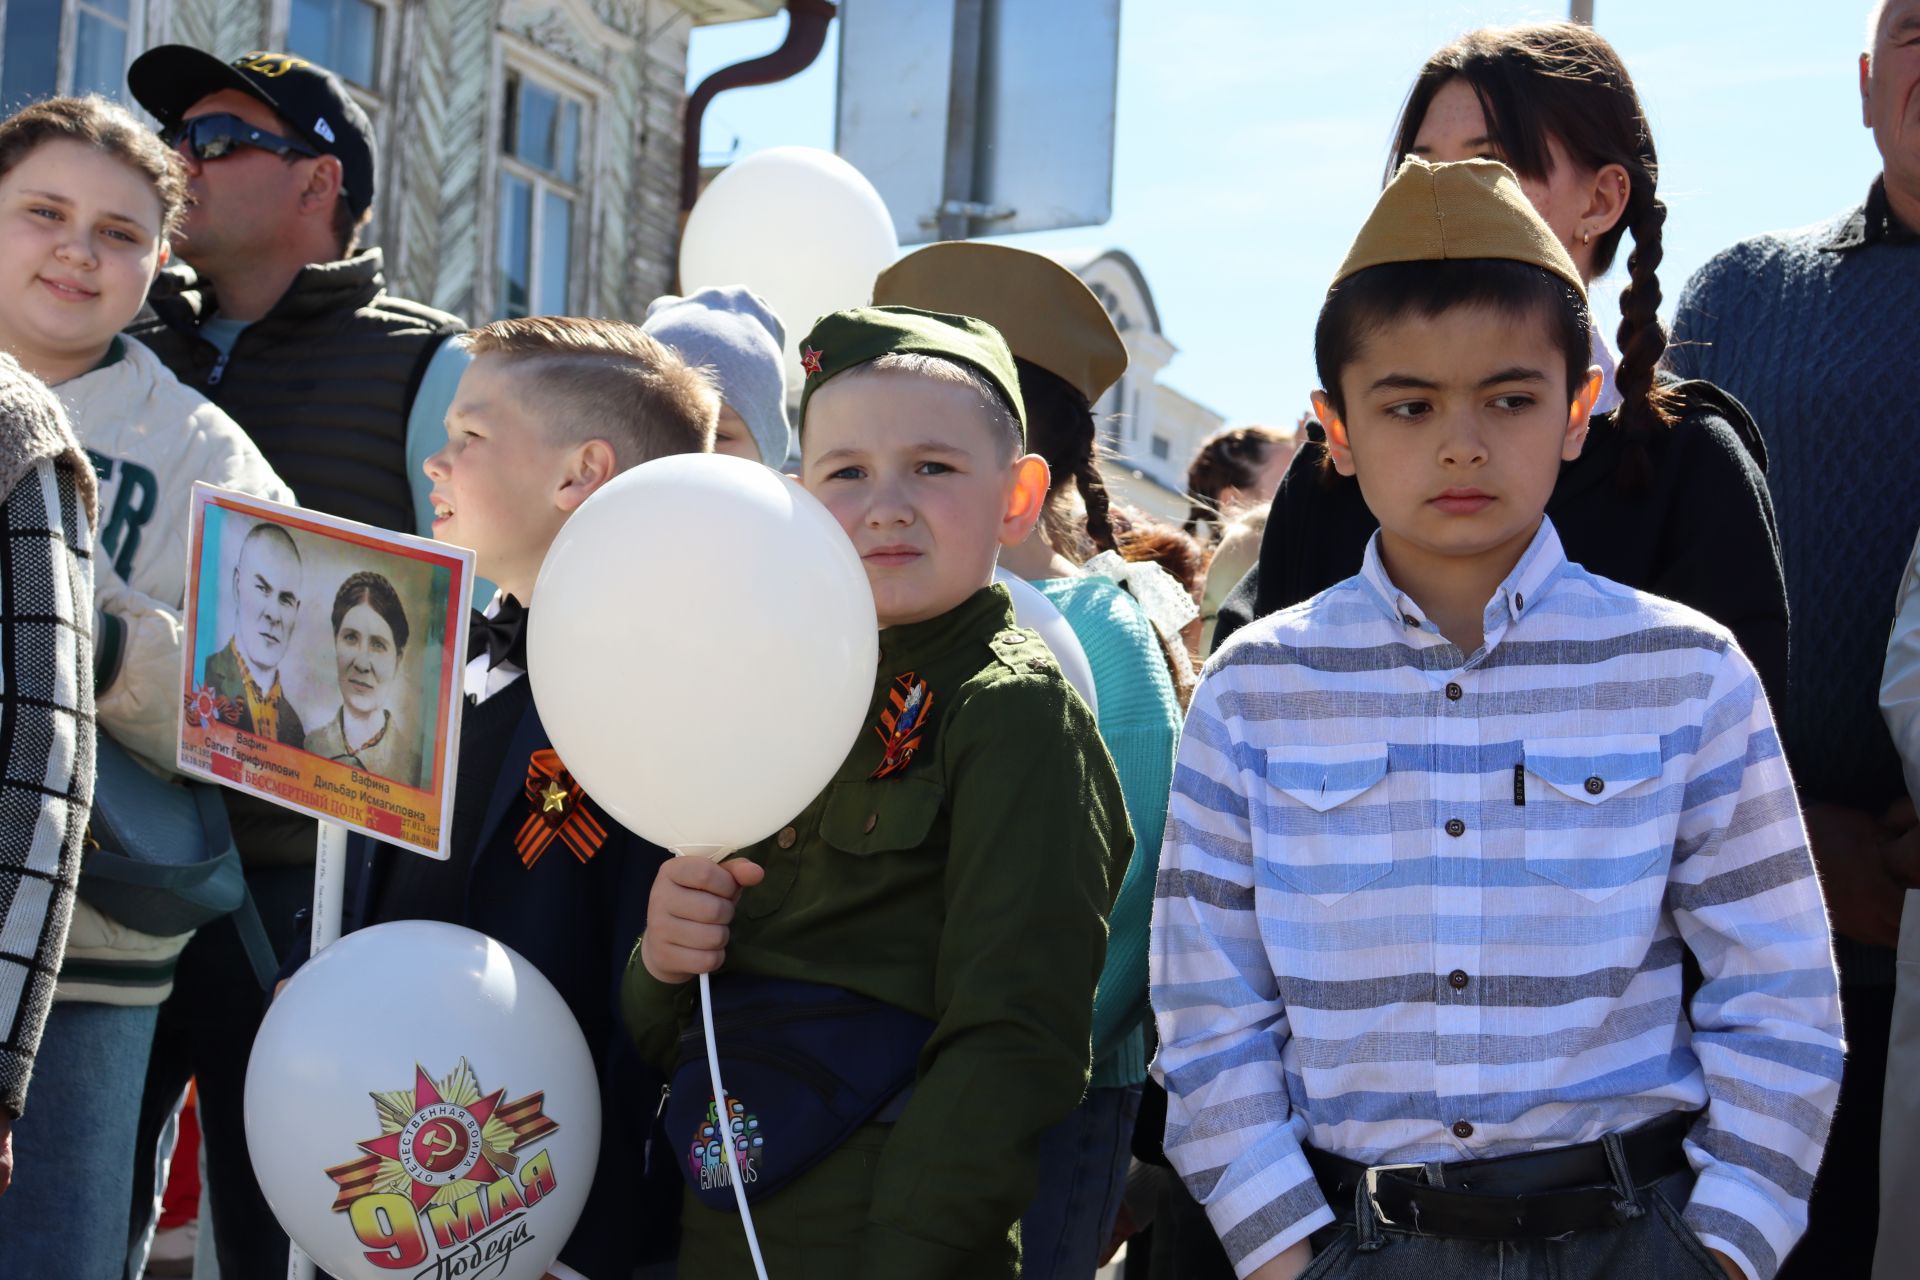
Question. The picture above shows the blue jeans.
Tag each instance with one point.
(66, 1213)
(1083, 1173)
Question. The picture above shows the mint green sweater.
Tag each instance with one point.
(1140, 724)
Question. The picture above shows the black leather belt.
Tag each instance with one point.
(1534, 1195)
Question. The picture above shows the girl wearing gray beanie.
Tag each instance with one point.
(734, 335)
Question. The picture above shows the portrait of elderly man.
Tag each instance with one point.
(369, 641)
(266, 604)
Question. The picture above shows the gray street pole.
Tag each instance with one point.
(1580, 11)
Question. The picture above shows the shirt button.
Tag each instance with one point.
(786, 838)
(1409, 619)
(1595, 785)
(1012, 637)
(873, 820)
(1519, 602)
(1458, 979)
(1454, 692)
(1455, 827)
(1461, 1129)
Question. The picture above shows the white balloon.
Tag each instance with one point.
(799, 226)
(420, 1101)
(702, 648)
(1035, 612)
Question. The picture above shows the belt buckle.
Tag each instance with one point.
(1373, 1189)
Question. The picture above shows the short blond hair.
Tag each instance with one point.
(594, 379)
(1000, 417)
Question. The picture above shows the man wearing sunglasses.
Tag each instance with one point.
(281, 322)
(287, 326)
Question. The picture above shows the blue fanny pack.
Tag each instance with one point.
(804, 1065)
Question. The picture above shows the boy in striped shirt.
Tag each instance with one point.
(1441, 837)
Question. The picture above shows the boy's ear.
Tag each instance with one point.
(1578, 415)
(1338, 447)
(1028, 498)
(592, 465)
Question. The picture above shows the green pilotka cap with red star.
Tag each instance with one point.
(846, 339)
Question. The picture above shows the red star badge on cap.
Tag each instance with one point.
(810, 360)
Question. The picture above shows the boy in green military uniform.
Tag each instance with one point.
(918, 950)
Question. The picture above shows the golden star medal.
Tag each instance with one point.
(556, 808)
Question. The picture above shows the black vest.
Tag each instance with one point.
(322, 383)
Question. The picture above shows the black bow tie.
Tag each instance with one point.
(503, 637)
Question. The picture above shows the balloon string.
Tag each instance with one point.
(722, 1116)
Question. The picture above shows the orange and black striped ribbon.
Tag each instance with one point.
(355, 1179)
(573, 822)
(527, 1118)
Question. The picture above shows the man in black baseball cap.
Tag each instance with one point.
(276, 308)
(168, 81)
(281, 320)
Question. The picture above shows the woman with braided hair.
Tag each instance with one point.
(1670, 495)
(1123, 614)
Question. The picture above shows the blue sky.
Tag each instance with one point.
(1252, 135)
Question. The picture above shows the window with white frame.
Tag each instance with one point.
(50, 47)
(542, 196)
(341, 35)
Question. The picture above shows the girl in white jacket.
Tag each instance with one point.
(88, 198)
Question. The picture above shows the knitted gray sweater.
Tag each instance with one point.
(1817, 332)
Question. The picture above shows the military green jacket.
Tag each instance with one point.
(969, 885)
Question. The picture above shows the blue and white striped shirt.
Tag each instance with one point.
(1417, 906)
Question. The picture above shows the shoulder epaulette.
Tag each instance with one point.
(1022, 651)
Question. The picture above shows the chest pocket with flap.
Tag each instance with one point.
(1594, 818)
(1323, 827)
(865, 817)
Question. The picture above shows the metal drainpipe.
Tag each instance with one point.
(807, 23)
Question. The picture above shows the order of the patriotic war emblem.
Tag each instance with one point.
(443, 1192)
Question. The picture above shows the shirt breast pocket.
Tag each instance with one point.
(865, 817)
(1596, 821)
(1322, 825)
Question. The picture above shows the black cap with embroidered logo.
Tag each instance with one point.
(170, 78)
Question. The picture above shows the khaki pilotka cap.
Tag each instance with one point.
(1046, 313)
(1467, 209)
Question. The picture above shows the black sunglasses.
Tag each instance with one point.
(212, 137)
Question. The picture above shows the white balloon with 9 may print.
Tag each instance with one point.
(421, 1103)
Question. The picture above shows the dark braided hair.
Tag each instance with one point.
(1230, 459)
(1563, 80)
(1060, 428)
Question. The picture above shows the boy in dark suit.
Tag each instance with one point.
(550, 409)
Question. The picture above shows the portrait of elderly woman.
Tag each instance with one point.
(369, 639)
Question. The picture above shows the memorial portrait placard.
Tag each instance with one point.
(323, 666)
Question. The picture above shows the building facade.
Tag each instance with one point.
(529, 149)
(1150, 430)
